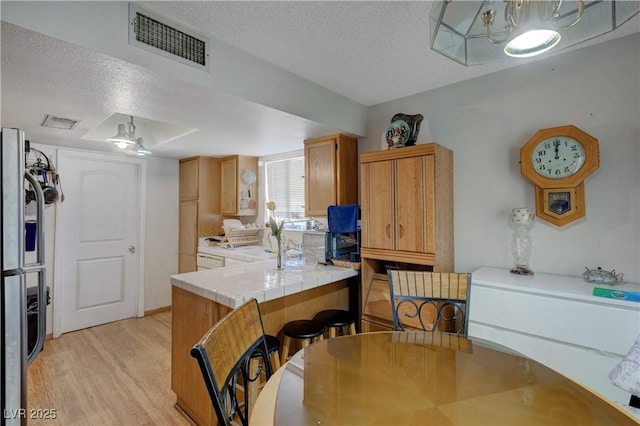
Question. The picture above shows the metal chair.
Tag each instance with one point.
(227, 357)
(430, 301)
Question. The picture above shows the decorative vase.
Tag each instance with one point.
(279, 254)
(521, 221)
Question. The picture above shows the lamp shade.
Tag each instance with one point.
(140, 149)
(121, 139)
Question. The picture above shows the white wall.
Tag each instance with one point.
(486, 121)
(161, 239)
(161, 233)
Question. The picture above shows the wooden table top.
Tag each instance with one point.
(405, 378)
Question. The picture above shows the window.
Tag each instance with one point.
(284, 179)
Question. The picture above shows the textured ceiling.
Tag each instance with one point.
(369, 52)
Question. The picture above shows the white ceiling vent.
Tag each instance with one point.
(58, 122)
(160, 35)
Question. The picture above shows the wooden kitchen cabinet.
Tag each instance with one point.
(407, 205)
(239, 186)
(331, 173)
(407, 221)
(199, 207)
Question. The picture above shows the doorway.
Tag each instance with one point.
(99, 230)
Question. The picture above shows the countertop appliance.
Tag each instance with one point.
(14, 357)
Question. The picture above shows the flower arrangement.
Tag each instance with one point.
(276, 230)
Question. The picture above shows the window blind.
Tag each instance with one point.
(285, 186)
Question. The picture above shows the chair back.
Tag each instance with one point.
(224, 355)
(430, 301)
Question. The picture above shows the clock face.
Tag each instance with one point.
(558, 157)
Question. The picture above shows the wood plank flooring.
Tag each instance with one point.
(113, 374)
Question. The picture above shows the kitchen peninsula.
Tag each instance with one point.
(200, 299)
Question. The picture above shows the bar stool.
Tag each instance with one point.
(308, 331)
(273, 346)
(335, 319)
(254, 388)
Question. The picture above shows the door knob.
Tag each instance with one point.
(132, 249)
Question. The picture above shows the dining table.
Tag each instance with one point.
(425, 378)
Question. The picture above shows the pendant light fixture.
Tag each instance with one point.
(479, 32)
(127, 140)
(140, 149)
(121, 139)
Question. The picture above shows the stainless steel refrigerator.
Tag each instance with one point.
(13, 299)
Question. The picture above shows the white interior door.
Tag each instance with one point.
(97, 240)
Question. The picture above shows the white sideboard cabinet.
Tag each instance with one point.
(557, 321)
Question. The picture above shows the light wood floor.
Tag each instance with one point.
(113, 374)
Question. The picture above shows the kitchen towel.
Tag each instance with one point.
(343, 218)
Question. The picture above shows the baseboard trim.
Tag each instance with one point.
(157, 310)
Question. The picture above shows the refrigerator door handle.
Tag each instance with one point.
(39, 267)
(42, 317)
(40, 259)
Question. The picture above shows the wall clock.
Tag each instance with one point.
(557, 161)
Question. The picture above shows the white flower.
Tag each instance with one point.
(276, 230)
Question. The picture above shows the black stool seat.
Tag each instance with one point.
(303, 329)
(273, 345)
(307, 331)
(334, 318)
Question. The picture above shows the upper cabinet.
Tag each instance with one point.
(331, 173)
(239, 186)
(199, 207)
(189, 183)
(407, 205)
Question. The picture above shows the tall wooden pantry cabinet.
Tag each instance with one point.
(199, 207)
(406, 197)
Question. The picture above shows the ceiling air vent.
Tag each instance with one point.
(158, 34)
(58, 122)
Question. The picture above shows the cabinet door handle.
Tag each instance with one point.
(401, 231)
(388, 229)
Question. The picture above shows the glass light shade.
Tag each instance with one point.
(122, 144)
(140, 149)
(121, 139)
(532, 43)
(457, 30)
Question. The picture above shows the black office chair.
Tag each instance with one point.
(430, 301)
(234, 352)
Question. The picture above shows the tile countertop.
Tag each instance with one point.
(560, 286)
(233, 285)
